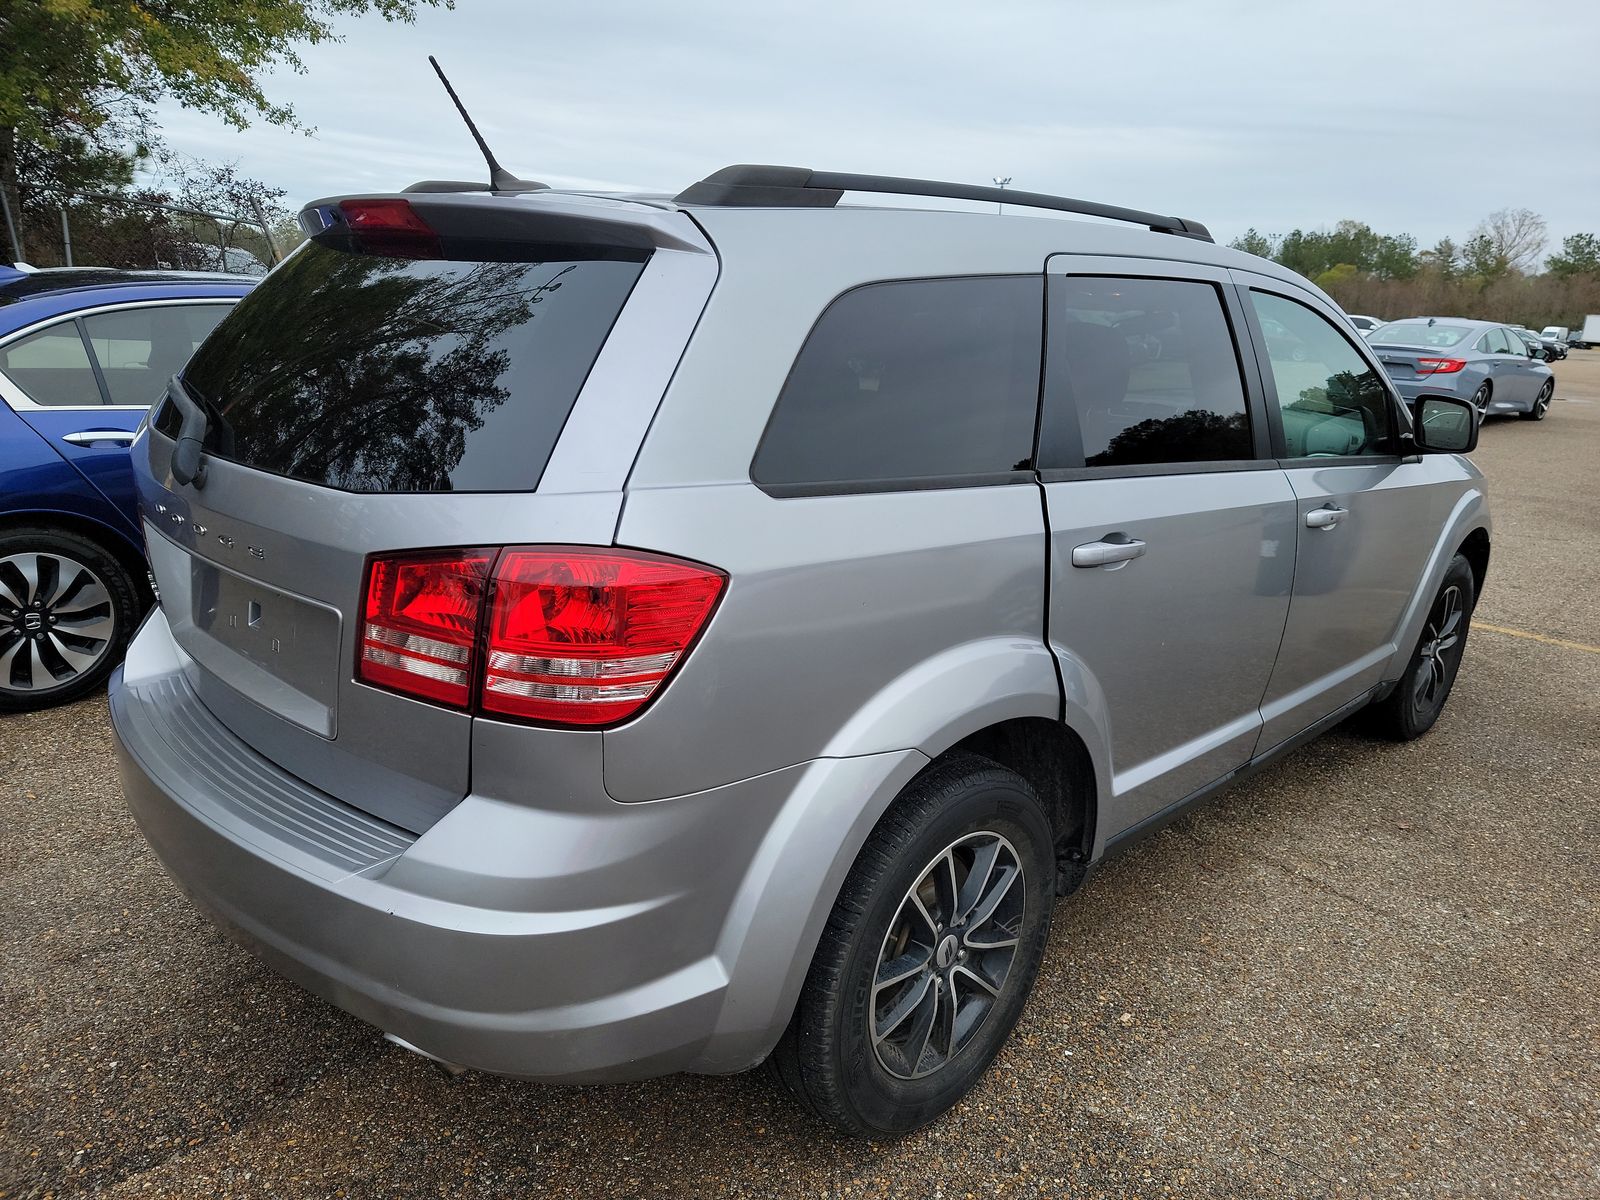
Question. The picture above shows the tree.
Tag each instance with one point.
(1444, 258)
(1396, 257)
(1516, 237)
(1483, 258)
(1253, 242)
(73, 73)
(1579, 255)
(1336, 277)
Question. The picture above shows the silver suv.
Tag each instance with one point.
(609, 635)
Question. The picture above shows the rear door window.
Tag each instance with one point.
(1141, 372)
(140, 348)
(52, 367)
(933, 380)
(372, 373)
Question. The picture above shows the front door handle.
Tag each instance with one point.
(1325, 517)
(88, 437)
(1104, 554)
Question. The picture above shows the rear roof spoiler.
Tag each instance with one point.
(800, 187)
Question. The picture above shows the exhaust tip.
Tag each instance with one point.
(453, 1070)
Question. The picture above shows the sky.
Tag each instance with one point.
(1417, 118)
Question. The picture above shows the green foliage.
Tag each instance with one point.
(1334, 276)
(1579, 255)
(1351, 243)
(1483, 259)
(1484, 277)
(1254, 242)
(79, 78)
(71, 56)
(1444, 259)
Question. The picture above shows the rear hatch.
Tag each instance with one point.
(428, 371)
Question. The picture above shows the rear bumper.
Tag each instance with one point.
(1435, 385)
(581, 942)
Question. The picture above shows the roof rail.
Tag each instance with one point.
(798, 187)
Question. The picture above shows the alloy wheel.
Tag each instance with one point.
(1542, 404)
(57, 621)
(1480, 401)
(1440, 636)
(947, 954)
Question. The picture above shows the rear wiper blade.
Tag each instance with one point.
(188, 456)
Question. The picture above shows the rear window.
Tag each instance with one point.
(372, 373)
(1419, 333)
(933, 380)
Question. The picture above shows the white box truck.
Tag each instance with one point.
(1591, 332)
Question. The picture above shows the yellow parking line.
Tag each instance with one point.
(1537, 637)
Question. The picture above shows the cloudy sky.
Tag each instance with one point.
(1415, 117)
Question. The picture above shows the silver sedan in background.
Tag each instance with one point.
(1480, 361)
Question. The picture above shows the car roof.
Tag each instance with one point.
(899, 238)
(33, 296)
(1467, 322)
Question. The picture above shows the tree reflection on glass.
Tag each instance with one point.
(1355, 397)
(1197, 435)
(373, 373)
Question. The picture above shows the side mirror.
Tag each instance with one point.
(1445, 425)
(1538, 352)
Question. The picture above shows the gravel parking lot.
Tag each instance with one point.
(1370, 970)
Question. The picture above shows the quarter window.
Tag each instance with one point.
(140, 348)
(930, 379)
(52, 367)
(1141, 371)
(1331, 402)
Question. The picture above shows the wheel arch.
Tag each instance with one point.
(1475, 549)
(106, 536)
(1056, 762)
(1465, 531)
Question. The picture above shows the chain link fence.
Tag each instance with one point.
(119, 231)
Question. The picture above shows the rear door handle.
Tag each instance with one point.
(1104, 554)
(88, 437)
(1325, 517)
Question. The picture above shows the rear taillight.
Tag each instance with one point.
(419, 627)
(556, 635)
(1439, 366)
(586, 637)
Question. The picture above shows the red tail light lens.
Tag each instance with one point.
(1439, 366)
(569, 635)
(586, 637)
(420, 618)
(390, 227)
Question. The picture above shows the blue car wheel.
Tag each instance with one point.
(67, 609)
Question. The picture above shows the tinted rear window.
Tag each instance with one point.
(1419, 333)
(929, 379)
(1142, 371)
(378, 374)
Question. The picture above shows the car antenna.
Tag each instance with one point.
(500, 179)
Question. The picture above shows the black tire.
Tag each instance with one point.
(67, 610)
(828, 1057)
(1541, 404)
(1415, 704)
(1480, 400)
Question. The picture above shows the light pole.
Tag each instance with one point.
(1001, 184)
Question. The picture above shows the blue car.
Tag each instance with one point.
(1479, 361)
(83, 354)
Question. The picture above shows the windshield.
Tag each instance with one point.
(1419, 333)
(372, 373)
